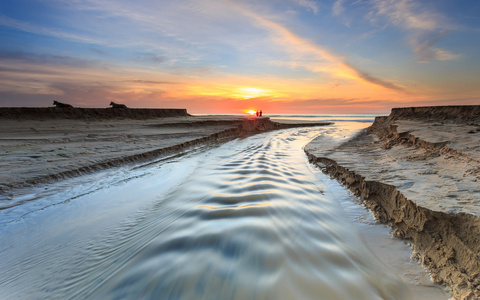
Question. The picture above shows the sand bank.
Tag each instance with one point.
(48, 144)
(47, 113)
(419, 171)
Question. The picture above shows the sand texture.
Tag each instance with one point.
(419, 170)
(42, 148)
(34, 151)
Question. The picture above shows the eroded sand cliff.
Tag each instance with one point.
(419, 171)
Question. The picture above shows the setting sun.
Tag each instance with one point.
(279, 59)
(228, 136)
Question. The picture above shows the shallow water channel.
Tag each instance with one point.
(250, 219)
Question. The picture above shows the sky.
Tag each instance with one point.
(230, 56)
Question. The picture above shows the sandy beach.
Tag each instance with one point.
(419, 171)
(67, 230)
(47, 144)
(34, 151)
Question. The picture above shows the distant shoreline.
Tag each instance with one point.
(45, 113)
(57, 143)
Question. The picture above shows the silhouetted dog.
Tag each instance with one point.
(60, 104)
(115, 105)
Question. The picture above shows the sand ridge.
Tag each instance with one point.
(44, 149)
(420, 174)
(34, 149)
(80, 113)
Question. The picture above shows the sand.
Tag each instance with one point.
(114, 141)
(47, 144)
(419, 171)
(34, 151)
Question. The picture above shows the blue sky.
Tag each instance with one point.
(232, 55)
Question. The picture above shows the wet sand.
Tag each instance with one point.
(47, 144)
(35, 151)
(82, 231)
(419, 171)
(40, 150)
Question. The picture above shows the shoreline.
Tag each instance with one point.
(399, 166)
(419, 173)
(78, 113)
(41, 149)
(91, 210)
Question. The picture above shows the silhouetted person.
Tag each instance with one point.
(60, 104)
(260, 113)
(257, 113)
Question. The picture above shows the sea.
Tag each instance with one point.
(318, 117)
(247, 219)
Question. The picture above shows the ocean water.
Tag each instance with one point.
(250, 219)
(364, 118)
(324, 117)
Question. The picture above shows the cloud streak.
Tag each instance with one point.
(209, 53)
(374, 80)
(338, 8)
(46, 31)
(425, 28)
(312, 5)
(317, 58)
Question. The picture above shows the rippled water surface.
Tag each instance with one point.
(247, 220)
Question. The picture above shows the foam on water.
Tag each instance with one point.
(248, 220)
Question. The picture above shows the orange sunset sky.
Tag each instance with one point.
(228, 56)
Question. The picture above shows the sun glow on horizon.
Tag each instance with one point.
(248, 92)
(274, 60)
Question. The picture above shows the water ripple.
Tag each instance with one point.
(249, 221)
(262, 231)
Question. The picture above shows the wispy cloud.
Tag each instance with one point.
(425, 50)
(179, 29)
(150, 82)
(46, 59)
(152, 58)
(338, 7)
(425, 27)
(46, 31)
(192, 53)
(312, 5)
(375, 80)
(407, 13)
(28, 73)
(315, 57)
